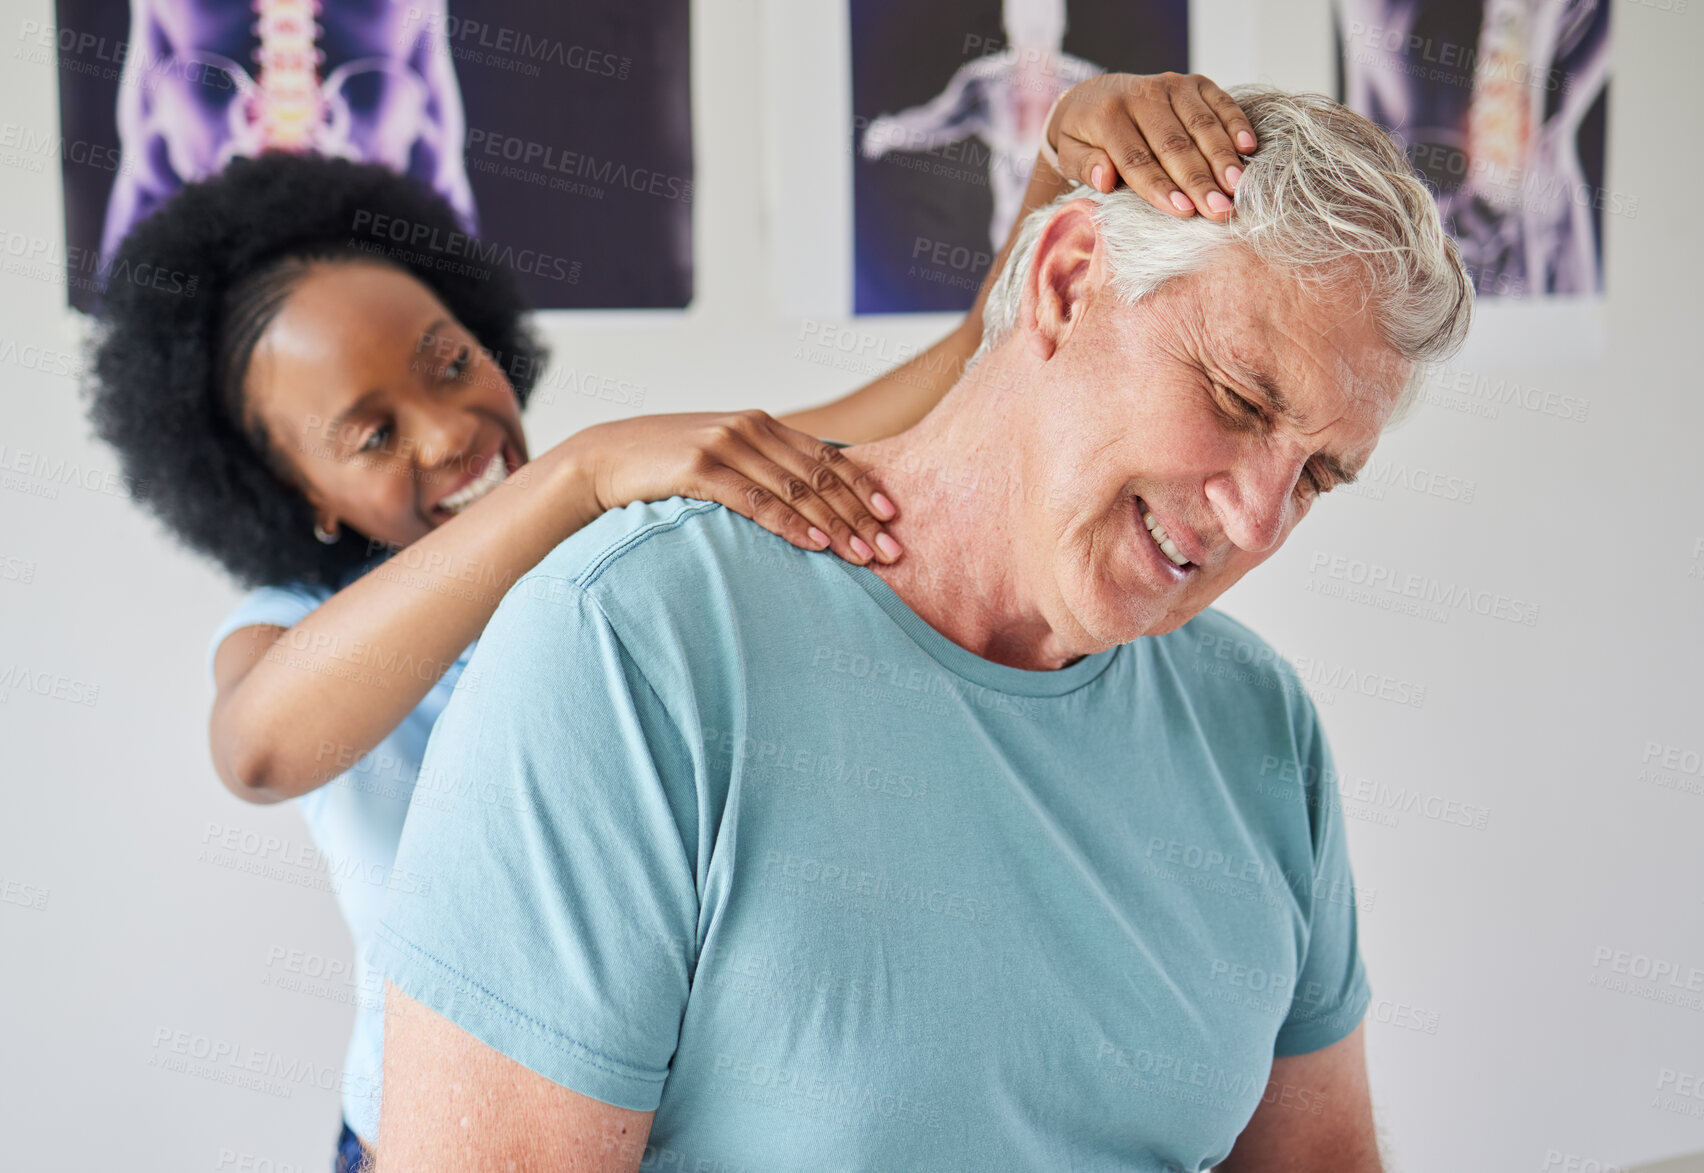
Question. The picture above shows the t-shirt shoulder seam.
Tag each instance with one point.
(590, 573)
(497, 1005)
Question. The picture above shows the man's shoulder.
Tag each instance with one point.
(654, 553)
(687, 588)
(648, 535)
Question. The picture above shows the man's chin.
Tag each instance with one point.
(1173, 621)
(1164, 625)
(1129, 615)
(1119, 618)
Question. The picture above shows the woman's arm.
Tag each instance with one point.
(1169, 131)
(291, 714)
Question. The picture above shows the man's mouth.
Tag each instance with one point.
(1162, 540)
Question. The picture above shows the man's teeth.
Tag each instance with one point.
(495, 472)
(1166, 545)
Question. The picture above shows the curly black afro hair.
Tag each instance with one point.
(170, 355)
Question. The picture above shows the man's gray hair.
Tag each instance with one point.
(1325, 189)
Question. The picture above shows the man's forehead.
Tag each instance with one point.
(1309, 359)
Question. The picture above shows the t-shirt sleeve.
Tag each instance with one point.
(550, 907)
(275, 606)
(1331, 992)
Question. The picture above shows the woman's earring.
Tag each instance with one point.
(328, 539)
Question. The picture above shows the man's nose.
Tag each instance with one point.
(1253, 502)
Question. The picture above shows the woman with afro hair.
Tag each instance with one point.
(340, 429)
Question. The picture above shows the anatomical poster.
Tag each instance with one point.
(948, 103)
(559, 134)
(1502, 105)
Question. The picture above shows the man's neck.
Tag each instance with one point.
(967, 566)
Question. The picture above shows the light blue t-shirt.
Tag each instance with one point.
(760, 849)
(356, 819)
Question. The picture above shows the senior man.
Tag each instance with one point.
(974, 861)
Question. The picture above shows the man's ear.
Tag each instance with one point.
(1063, 273)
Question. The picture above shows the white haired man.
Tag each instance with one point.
(974, 860)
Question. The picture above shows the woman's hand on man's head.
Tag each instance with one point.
(1174, 139)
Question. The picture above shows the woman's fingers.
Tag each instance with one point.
(751, 499)
(1122, 153)
(1152, 110)
(1174, 139)
(1079, 161)
(1213, 143)
(1231, 117)
(1084, 163)
(789, 483)
(1100, 140)
(857, 507)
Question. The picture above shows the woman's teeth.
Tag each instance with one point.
(495, 472)
(1166, 545)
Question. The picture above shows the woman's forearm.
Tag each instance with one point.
(348, 674)
(893, 402)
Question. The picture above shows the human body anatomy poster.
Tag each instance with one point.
(1503, 106)
(561, 135)
(948, 106)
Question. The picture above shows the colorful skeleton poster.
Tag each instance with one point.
(1502, 106)
(948, 101)
(554, 131)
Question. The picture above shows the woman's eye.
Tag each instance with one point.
(377, 434)
(458, 366)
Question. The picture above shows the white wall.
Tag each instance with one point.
(1484, 938)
